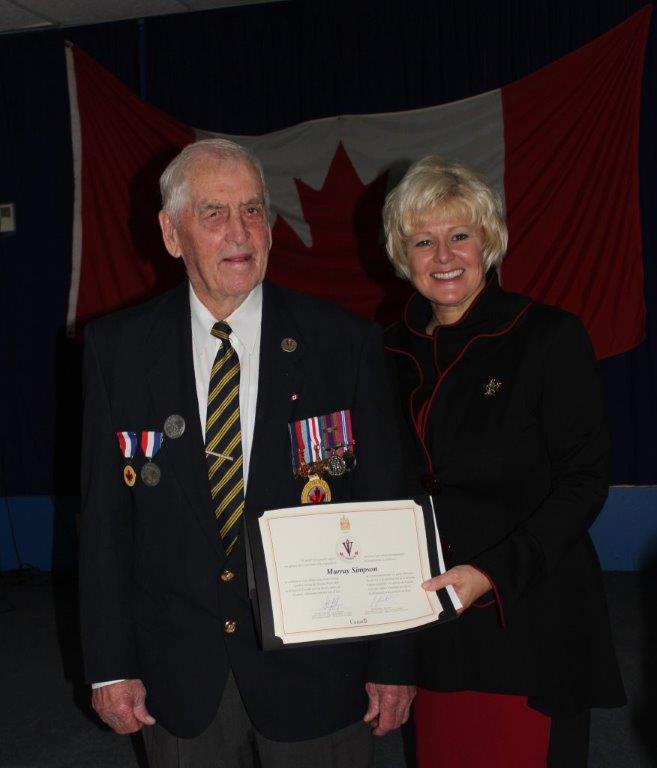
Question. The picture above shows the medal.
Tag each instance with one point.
(150, 474)
(336, 466)
(128, 448)
(174, 426)
(151, 442)
(339, 442)
(315, 491)
(129, 476)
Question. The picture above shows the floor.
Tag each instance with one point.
(45, 720)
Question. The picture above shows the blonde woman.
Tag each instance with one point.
(504, 419)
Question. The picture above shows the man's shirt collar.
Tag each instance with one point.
(244, 321)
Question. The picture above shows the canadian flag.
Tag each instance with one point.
(561, 145)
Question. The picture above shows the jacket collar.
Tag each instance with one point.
(490, 309)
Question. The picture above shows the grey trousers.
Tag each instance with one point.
(231, 741)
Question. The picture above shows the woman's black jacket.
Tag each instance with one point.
(505, 411)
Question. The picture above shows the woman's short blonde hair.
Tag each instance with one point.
(432, 185)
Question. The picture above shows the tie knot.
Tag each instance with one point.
(221, 331)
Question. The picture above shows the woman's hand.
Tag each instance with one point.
(469, 584)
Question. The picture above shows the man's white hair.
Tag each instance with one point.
(173, 182)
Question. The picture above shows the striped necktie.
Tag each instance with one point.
(223, 439)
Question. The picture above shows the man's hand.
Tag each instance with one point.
(469, 584)
(122, 706)
(389, 706)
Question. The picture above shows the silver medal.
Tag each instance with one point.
(174, 426)
(336, 465)
(150, 474)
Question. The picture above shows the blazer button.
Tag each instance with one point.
(230, 626)
(226, 576)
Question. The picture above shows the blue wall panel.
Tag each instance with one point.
(39, 532)
(625, 533)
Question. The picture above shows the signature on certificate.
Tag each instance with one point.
(331, 603)
(377, 600)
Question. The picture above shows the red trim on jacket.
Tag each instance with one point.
(460, 321)
(477, 604)
(498, 599)
(405, 318)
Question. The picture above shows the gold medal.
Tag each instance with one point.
(129, 475)
(315, 491)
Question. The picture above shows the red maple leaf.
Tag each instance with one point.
(346, 261)
(316, 496)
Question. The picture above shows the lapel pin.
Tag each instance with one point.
(491, 389)
(294, 396)
(288, 345)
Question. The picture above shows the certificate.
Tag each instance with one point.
(349, 571)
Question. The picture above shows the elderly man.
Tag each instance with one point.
(188, 399)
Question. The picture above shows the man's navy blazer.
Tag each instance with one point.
(153, 605)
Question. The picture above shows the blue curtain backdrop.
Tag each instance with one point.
(254, 69)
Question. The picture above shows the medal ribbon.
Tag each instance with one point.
(151, 442)
(346, 435)
(298, 444)
(308, 441)
(316, 439)
(335, 417)
(329, 438)
(127, 444)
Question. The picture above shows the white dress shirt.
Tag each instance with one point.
(245, 324)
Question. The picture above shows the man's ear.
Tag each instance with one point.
(169, 235)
